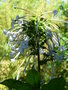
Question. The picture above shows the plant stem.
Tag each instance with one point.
(38, 54)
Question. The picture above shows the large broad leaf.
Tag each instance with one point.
(55, 84)
(33, 78)
(15, 84)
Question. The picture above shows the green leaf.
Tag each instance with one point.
(33, 78)
(16, 84)
(55, 84)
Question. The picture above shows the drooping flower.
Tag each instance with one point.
(61, 48)
(24, 44)
(55, 12)
(59, 57)
(48, 34)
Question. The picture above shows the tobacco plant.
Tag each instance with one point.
(39, 41)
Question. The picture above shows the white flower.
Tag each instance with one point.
(6, 32)
(13, 60)
(42, 51)
(25, 38)
(13, 52)
(17, 55)
(20, 23)
(10, 38)
(14, 36)
(55, 40)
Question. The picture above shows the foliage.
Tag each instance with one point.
(31, 83)
(54, 83)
